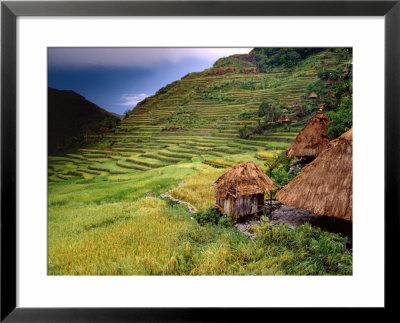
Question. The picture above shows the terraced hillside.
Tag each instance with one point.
(198, 119)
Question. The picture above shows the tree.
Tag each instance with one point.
(127, 113)
(264, 107)
(340, 120)
(270, 110)
(245, 132)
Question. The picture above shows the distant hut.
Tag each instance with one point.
(283, 119)
(240, 191)
(311, 140)
(313, 95)
(325, 186)
(295, 104)
(328, 81)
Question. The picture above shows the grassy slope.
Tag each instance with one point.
(101, 223)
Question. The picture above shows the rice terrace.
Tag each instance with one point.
(213, 162)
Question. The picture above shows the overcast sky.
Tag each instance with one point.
(117, 79)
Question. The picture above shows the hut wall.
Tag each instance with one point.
(244, 205)
(226, 204)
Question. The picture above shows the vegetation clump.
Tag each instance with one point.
(305, 250)
(278, 169)
(213, 215)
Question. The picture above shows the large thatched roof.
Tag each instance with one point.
(325, 186)
(312, 139)
(243, 179)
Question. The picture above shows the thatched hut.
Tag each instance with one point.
(330, 94)
(283, 119)
(325, 186)
(240, 191)
(312, 139)
(313, 95)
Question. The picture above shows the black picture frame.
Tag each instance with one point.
(10, 10)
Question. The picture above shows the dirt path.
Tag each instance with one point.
(167, 195)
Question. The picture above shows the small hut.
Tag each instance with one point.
(311, 140)
(325, 186)
(313, 95)
(283, 119)
(240, 191)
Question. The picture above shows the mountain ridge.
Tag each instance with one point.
(71, 118)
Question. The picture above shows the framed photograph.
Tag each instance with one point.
(177, 154)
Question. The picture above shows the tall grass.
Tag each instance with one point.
(198, 190)
(151, 237)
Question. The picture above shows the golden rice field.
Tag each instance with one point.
(111, 228)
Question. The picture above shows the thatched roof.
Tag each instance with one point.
(283, 119)
(325, 186)
(311, 139)
(243, 179)
(313, 95)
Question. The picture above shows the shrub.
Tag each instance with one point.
(213, 216)
(281, 177)
(225, 221)
(278, 168)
